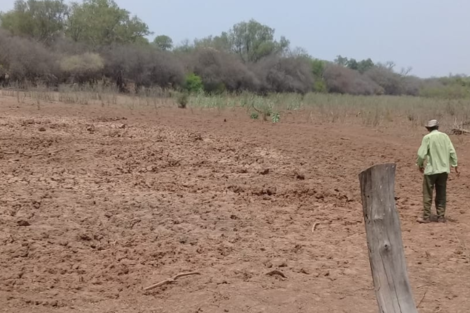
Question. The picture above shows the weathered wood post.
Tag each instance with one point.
(384, 240)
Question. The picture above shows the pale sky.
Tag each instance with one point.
(431, 36)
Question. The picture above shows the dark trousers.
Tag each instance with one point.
(439, 182)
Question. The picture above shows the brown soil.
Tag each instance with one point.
(99, 203)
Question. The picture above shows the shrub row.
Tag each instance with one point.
(67, 62)
(205, 69)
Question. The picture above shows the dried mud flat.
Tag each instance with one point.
(98, 203)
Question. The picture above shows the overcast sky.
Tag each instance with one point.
(431, 36)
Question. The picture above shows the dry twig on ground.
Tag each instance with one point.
(171, 280)
(422, 299)
(314, 227)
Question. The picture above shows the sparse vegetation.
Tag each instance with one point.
(183, 100)
(371, 111)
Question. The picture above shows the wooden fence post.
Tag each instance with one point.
(384, 240)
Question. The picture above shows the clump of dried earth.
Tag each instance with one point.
(99, 203)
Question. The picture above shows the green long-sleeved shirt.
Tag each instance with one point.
(437, 149)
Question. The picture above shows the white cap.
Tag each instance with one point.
(432, 123)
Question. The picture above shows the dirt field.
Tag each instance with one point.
(98, 203)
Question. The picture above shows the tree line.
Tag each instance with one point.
(50, 42)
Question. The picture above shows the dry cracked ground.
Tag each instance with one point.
(100, 202)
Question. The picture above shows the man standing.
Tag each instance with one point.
(437, 149)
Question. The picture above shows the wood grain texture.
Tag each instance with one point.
(384, 240)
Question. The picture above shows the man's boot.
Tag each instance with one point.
(424, 220)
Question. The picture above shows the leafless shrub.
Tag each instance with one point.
(291, 74)
(391, 82)
(142, 66)
(27, 61)
(82, 68)
(412, 85)
(67, 46)
(165, 70)
(340, 79)
(221, 71)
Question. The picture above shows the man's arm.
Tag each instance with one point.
(422, 152)
(453, 157)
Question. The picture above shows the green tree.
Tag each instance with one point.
(102, 22)
(163, 43)
(361, 66)
(365, 65)
(221, 43)
(318, 69)
(252, 41)
(142, 41)
(352, 64)
(341, 60)
(41, 20)
(193, 83)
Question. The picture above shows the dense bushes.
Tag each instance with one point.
(391, 82)
(447, 87)
(205, 69)
(193, 83)
(285, 74)
(343, 80)
(82, 68)
(26, 60)
(412, 85)
(221, 71)
(96, 40)
(142, 66)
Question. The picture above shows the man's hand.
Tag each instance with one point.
(421, 169)
(457, 171)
